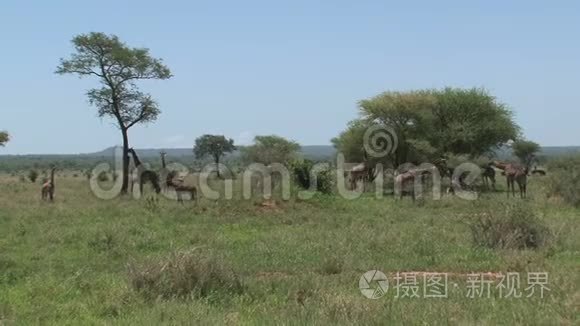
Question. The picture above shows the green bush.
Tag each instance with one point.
(183, 275)
(509, 226)
(301, 171)
(32, 176)
(103, 176)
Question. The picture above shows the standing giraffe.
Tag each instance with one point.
(144, 175)
(513, 174)
(488, 176)
(164, 174)
(406, 180)
(178, 184)
(357, 173)
(47, 190)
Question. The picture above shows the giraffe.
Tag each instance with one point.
(488, 176)
(144, 175)
(357, 173)
(513, 174)
(163, 173)
(407, 178)
(445, 171)
(47, 191)
(178, 184)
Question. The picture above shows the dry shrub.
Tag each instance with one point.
(510, 226)
(183, 274)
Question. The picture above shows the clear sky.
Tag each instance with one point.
(293, 68)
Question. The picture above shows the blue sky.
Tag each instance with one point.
(292, 68)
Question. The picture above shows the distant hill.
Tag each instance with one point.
(185, 156)
(560, 150)
(315, 152)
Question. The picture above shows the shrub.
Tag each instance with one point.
(301, 171)
(103, 176)
(564, 179)
(510, 226)
(182, 275)
(32, 176)
(332, 265)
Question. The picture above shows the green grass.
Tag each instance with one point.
(299, 263)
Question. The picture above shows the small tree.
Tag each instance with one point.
(4, 138)
(270, 149)
(32, 176)
(526, 151)
(215, 146)
(117, 67)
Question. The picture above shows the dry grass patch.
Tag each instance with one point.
(193, 273)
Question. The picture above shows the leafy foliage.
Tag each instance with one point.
(213, 145)
(32, 176)
(4, 138)
(270, 149)
(350, 142)
(525, 150)
(118, 67)
(431, 123)
(301, 171)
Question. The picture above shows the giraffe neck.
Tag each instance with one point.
(499, 165)
(52, 176)
(163, 161)
(135, 158)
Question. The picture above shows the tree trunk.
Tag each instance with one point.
(125, 185)
(217, 165)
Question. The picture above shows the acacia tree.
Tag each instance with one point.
(117, 67)
(432, 123)
(215, 146)
(270, 149)
(526, 151)
(4, 138)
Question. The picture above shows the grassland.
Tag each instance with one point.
(298, 262)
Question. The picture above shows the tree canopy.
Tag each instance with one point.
(4, 138)
(117, 67)
(429, 124)
(525, 150)
(270, 149)
(213, 145)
